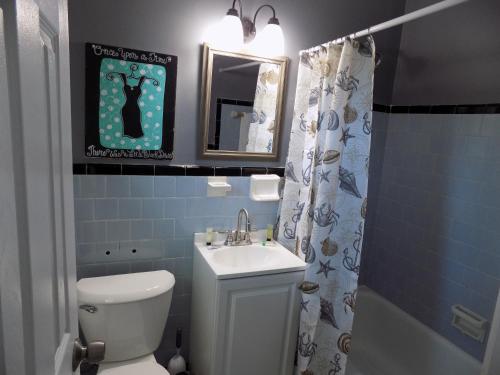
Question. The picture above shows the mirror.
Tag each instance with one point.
(242, 98)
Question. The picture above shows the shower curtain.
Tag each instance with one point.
(261, 131)
(324, 199)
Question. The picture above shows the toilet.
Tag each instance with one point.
(128, 313)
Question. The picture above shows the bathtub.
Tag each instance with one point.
(388, 341)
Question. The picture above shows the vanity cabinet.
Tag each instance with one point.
(243, 325)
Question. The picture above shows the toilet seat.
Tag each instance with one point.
(142, 368)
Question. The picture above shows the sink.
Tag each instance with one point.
(251, 256)
(245, 305)
(249, 260)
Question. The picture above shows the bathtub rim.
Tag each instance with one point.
(441, 340)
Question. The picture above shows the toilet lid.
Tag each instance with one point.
(143, 368)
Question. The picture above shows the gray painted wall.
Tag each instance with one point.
(176, 27)
(450, 58)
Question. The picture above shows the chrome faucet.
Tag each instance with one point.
(240, 237)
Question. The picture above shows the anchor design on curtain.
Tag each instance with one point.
(324, 201)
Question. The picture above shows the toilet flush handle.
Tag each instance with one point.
(92, 353)
(88, 308)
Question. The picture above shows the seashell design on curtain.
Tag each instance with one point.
(261, 129)
(324, 200)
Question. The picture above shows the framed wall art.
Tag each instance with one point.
(130, 103)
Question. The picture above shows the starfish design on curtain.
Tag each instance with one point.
(303, 305)
(345, 136)
(329, 90)
(325, 268)
(323, 176)
(312, 155)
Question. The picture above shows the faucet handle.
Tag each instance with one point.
(229, 238)
(247, 238)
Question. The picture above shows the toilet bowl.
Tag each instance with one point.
(128, 313)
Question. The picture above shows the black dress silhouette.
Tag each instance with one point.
(131, 113)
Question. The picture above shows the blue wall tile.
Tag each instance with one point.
(164, 186)
(143, 223)
(130, 208)
(85, 253)
(163, 228)
(431, 239)
(94, 231)
(116, 186)
(84, 209)
(106, 252)
(118, 230)
(141, 229)
(77, 191)
(190, 186)
(174, 207)
(141, 266)
(93, 186)
(141, 186)
(139, 250)
(106, 209)
(152, 208)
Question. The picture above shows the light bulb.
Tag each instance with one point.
(269, 42)
(227, 35)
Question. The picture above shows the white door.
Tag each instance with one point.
(38, 308)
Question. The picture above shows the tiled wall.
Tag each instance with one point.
(142, 223)
(379, 131)
(435, 236)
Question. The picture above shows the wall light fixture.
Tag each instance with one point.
(238, 33)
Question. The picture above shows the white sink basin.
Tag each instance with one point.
(249, 260)
(251, 256)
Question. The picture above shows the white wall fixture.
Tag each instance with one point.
(227, 34)
(217, 186)
(468, 322)
(264, 187)
(237, 33)
(269, 42)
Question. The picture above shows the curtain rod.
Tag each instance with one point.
(442, 5)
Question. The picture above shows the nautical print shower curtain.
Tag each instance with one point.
(261, 131)
(324, 200)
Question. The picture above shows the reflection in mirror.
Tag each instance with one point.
(242, 104)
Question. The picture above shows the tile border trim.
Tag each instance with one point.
(201, 170)
(171, 170)
(491, 108)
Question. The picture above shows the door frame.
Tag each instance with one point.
(491, 362)
(36, 191)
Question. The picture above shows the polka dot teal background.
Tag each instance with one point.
(112, 99)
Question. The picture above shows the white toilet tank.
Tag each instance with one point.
(127, 312)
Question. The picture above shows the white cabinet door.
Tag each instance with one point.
(257, 324)
(38, 309)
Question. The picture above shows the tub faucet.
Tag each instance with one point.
(240, 237)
